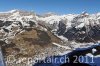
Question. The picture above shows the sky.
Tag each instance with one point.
(56, 6)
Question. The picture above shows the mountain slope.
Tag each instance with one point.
(26, 34)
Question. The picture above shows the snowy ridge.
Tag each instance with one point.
(72, 20)
(15, 22)
(69, 28)
(60, 25)
(57, 24)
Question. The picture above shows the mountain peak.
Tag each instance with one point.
(11, 11)
(84, 13)
(49, 14)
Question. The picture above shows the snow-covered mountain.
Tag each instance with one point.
(82, 27)
(73, 25)
(15, 21)
(24, 31)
